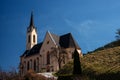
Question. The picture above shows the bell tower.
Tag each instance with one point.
(31, 34)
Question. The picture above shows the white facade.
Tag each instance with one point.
(31, 38)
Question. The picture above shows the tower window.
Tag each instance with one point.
(29, 39)
(34, 38)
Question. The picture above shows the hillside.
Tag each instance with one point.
(102, 64)
(109, 45)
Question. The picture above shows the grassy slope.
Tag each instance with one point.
(99, 65)
(103, 61)
(109, 45)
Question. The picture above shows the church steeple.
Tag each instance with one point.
(31, 34)
(31, 25)
(31, 20)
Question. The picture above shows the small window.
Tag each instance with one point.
(34, 38)
(29, 39)
(47, 42)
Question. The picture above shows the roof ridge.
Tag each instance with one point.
(52, 38)
(66, 34)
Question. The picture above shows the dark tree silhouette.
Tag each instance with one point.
(77, 65)
(118, 34)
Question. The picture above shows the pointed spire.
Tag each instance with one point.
(31, 20)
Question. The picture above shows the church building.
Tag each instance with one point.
(49, 55)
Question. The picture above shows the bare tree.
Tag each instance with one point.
(12, 74)
(118, 34)
(60, 54)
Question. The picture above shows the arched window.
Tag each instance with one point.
(35, 65)
(31, 64)
(29, 39)
(48, 58)
(34, 38)
(24, 65)
(28, 65)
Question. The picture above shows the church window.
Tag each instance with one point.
(47, 42)
(31, 64)
(35, 65)
(24, 65)
(28, 65)
(34, 38)
(29, 39)
(48, 58)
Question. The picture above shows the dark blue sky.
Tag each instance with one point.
(93, 23)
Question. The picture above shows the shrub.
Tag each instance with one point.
(31, 75)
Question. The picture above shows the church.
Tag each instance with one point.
(50, 54)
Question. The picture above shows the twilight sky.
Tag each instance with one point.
(93, 23)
